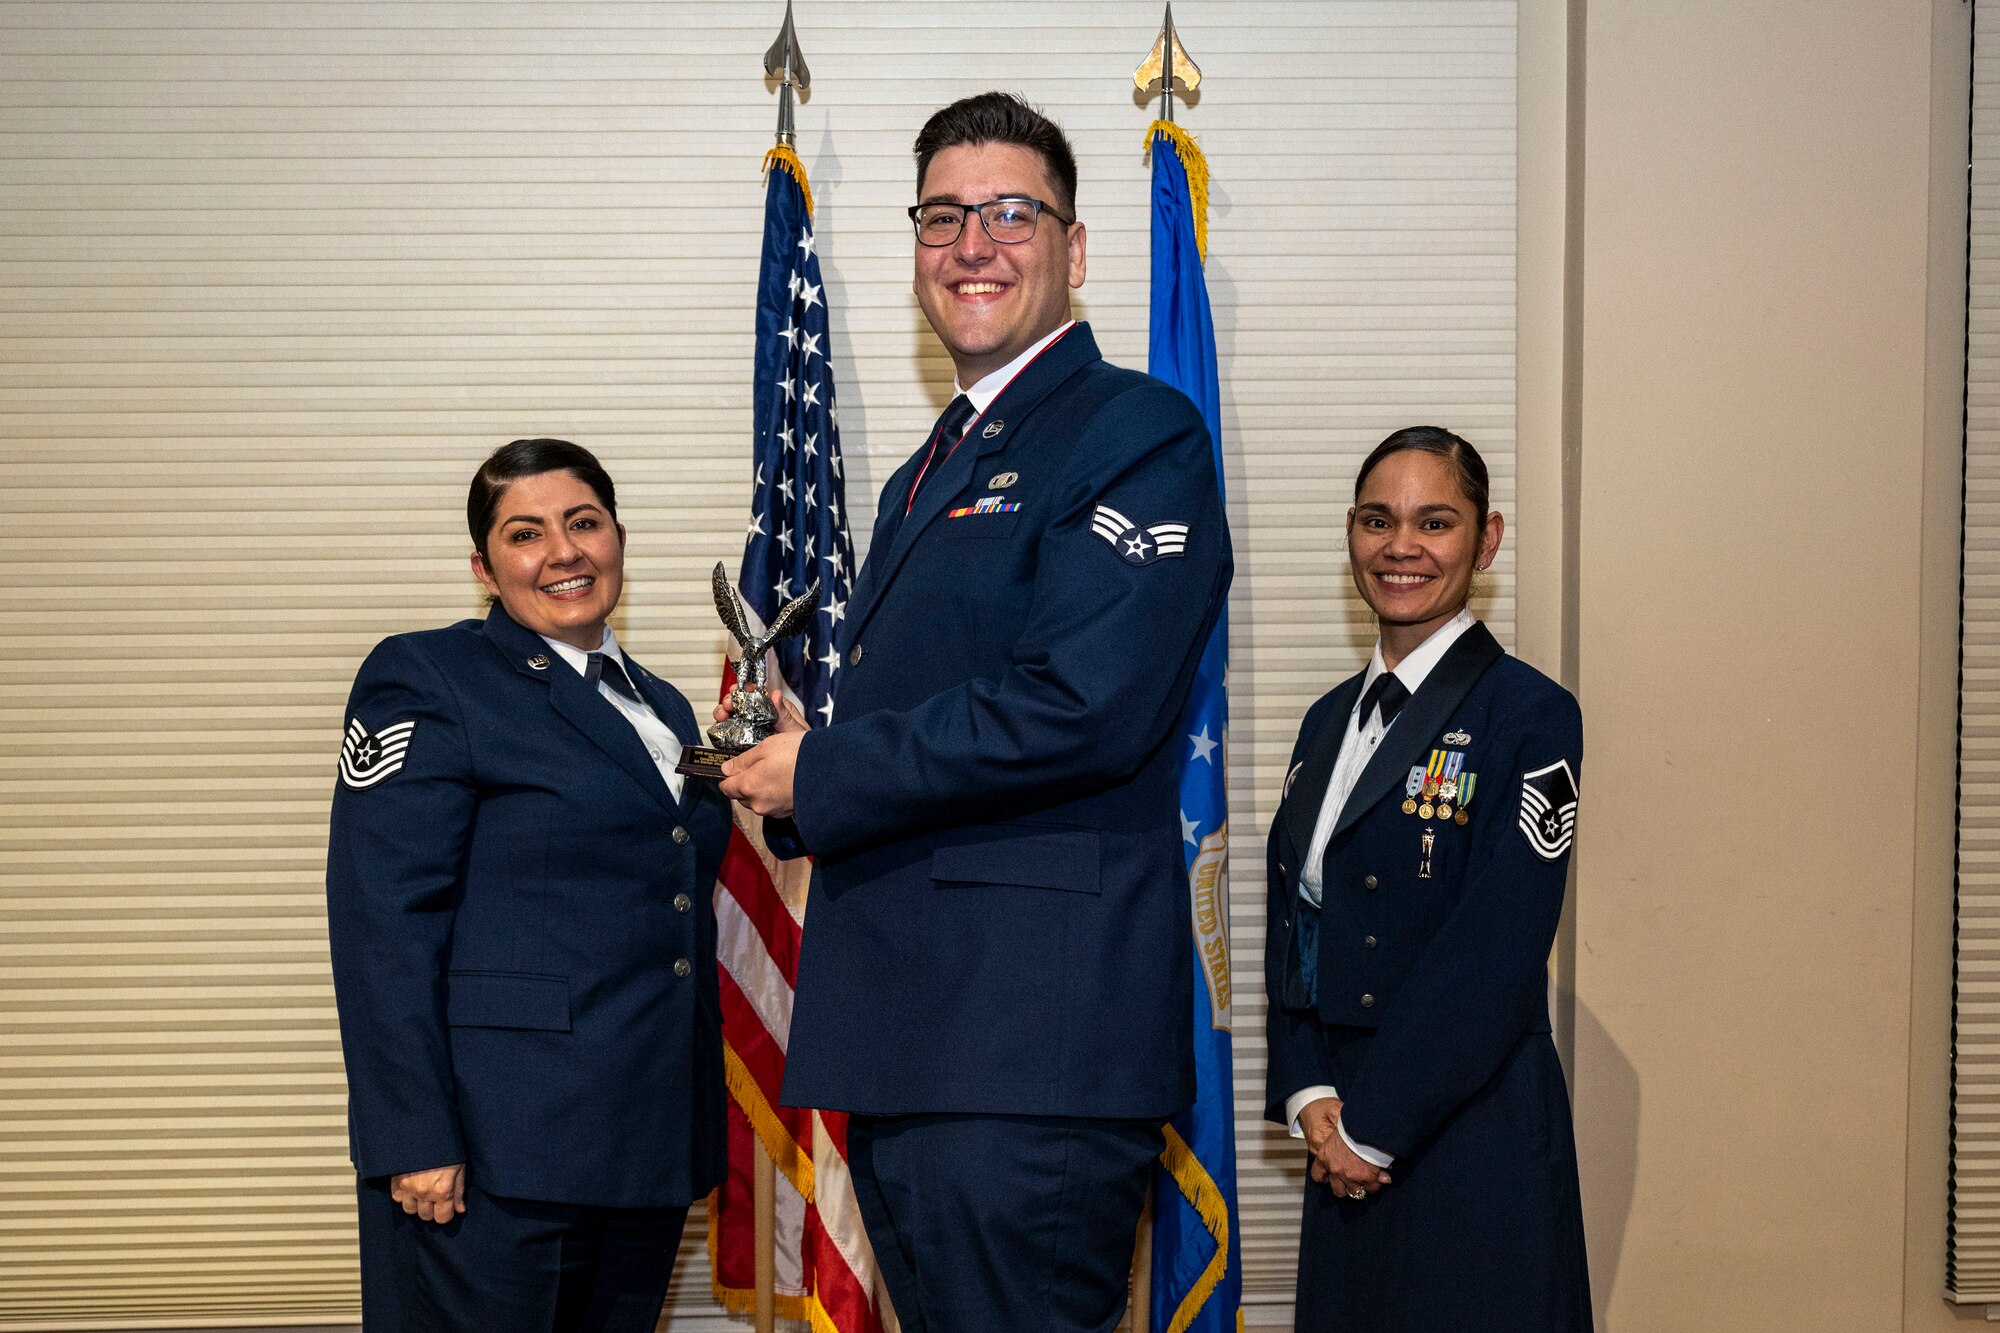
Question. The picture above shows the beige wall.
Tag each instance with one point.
(1763, 236)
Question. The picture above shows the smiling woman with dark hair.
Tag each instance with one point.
(518, 897)
(1416, 868)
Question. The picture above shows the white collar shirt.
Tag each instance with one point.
(988, 387)
(661, 744)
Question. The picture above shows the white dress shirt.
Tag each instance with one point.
(982, 394)
(1357, 747)
(658, 737)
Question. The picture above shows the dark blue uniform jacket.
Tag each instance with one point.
(1424, 1001)
(511, 890)
(999, 915)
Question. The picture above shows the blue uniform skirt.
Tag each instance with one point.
(1482, 1229)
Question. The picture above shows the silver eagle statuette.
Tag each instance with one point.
(752, 715)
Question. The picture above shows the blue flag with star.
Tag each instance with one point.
(798, 522)
(1197, 1254)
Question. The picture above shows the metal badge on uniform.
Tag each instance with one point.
(538, 662)
(1458, 738)
(1424, 863)
(992, 428)
(1000, 481)
(366, 759)
(1548, 809)
(1448, 782)
(1290, 778)
(1433, 778)
(1413, 788)
(1138, 545)
(1465, 785)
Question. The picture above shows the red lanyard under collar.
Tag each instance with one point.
(924, 471)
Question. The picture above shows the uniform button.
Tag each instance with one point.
(680, 835)
(1367, 1001)
(682, 968)
(1368, 940)
(683, 903)
(854, 655)
(1368, 882)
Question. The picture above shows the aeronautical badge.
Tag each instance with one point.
(1548, 809)
(367, 759)
(1138, 545)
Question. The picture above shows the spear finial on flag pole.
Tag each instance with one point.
(1166, 63)
(787, 64)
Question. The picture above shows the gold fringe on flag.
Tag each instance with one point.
(784, 159)
(793, 1159)
(1196, 166)
(1198, 1188)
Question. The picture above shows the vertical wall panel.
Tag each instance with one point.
(275, 276)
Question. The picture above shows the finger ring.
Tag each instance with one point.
(1356, 1192)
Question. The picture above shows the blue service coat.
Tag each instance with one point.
(1424, 1001)
(999, 913)
(522, 927)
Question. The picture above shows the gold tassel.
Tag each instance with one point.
(789, 1157)
(784, 159)
(1198, 1188)
(1196, 166)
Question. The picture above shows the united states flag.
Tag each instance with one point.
(797, 533)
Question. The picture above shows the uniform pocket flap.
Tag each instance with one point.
(507, 1000)
(1038, 858)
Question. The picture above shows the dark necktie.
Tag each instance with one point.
(958, 414)
(1389, 694)
(606, 669)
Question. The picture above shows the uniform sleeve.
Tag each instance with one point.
(402, 821)
(1292, 1037)
(1481, 985)
(1097, 675)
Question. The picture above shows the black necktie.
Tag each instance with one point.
(958, 414)
(1389, 694)
(607, 670)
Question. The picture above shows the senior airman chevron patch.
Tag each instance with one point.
(1136, 545)
(365, 760)
(1548, 809)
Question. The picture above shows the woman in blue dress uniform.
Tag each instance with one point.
(523, 938)
(1416, 869)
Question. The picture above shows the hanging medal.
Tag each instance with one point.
(1433, 775)
(1465, 785)
(1448, 784)
(1412, 788)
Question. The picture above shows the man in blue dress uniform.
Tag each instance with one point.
(997, 952)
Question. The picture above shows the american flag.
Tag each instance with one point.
(797, 533)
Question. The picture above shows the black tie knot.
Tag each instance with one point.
(1388, 694)
(607, 670)
(958, 414)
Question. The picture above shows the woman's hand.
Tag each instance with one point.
(436, 1195)
(1334, 1164)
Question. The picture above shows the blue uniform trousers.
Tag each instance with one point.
(514, 1266)
(998, 1224)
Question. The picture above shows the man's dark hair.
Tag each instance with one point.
(1464, 459)
(1001, 118)
(531, 458)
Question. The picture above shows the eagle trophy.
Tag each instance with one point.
(752, 715)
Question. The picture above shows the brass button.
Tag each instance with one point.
(854, 655)
(1368, 882)
(682, 968)
(683, 903)
(1368, 940)
(1367, 1001)
(680, 835)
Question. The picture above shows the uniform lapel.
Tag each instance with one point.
(679, 718)
(1422, 717)
(1307, 791)
(1036, 381)
(578, 703)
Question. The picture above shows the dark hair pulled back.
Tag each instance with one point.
(530, 458)
(1464, 459)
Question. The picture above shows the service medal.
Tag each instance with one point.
(1427, 810)
(1433, 775)
(1412, 788)
(1465, 785)
(1409, 805)
(1444, 810)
